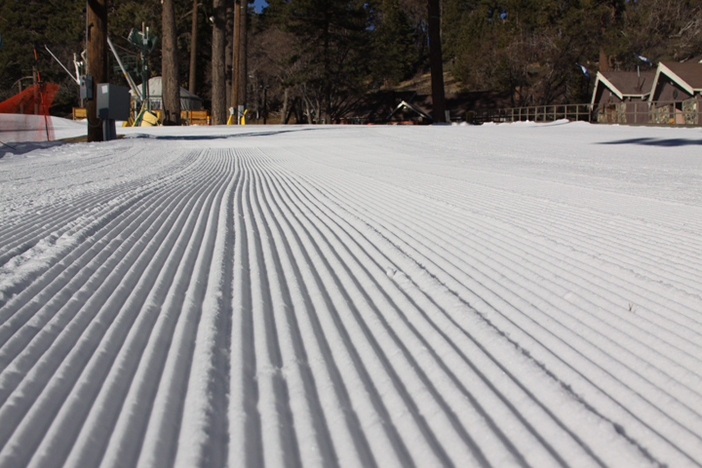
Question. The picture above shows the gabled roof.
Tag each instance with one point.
(687, 75)
(625, 84)
(405, 105)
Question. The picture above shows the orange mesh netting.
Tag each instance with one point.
(25, 116)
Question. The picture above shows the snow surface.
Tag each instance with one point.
(493, 296)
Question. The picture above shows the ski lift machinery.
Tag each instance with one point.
(145, 43)
(126, 74)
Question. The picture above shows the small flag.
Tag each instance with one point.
(643, 59)
(585, 70)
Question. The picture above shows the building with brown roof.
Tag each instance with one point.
(676, 96)
(621, 97)
(676, 81)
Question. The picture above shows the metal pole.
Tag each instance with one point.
(75, 78)
(126, 74)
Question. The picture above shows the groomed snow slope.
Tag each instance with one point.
(494, 296)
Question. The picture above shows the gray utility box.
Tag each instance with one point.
(112, 102)
(86, 87)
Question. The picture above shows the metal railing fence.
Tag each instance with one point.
(685, 113)
(549, 113)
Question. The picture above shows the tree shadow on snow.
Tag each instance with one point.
(222, 136)
(665, 142)
(24, 147)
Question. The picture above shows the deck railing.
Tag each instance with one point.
(654, 113)
(549, 113)
(627, 113)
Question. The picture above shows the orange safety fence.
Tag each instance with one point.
(25, 116)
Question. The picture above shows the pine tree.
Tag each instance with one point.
(30, 24)
(169, 66)
(192, 74)
(333, 45)
(394, 51)
(436, 60)
(219, 95)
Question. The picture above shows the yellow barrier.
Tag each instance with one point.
(195, 117)
(79, 113)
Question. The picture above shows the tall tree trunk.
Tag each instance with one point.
(228, 51)
(604, 60)
(219, 95)
(243, 65)
(298, 110)
(308, 106)
(236, 51)
(326, 109)
(284, 112)
(239, 58)
(97, 62)
(436, 62)
(169, 66)
(192, 83)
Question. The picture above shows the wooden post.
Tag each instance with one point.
(97, 61)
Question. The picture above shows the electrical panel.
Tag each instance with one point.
(86, 87)
(112, 102)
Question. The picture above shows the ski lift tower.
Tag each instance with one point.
(145, 43)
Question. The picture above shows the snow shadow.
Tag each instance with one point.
(222, 136)
(665, 142)
(16, 148)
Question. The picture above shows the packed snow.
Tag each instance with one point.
(524, 295)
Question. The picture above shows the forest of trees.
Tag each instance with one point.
(307, 58)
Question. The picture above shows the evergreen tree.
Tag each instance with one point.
(394, 51)
(318, 55)
(192, 74)
(661, 30)
(529, 48)
(333, 42)
(219, 95)
(169, 78)
(30, 24)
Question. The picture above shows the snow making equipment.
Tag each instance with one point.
(112, 104)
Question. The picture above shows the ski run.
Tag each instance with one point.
(517, 295)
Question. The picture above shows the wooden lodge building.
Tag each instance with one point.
(620, 96)
(672, 94)
(676, 96)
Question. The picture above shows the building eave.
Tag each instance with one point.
(662, 69)
(602, 79)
